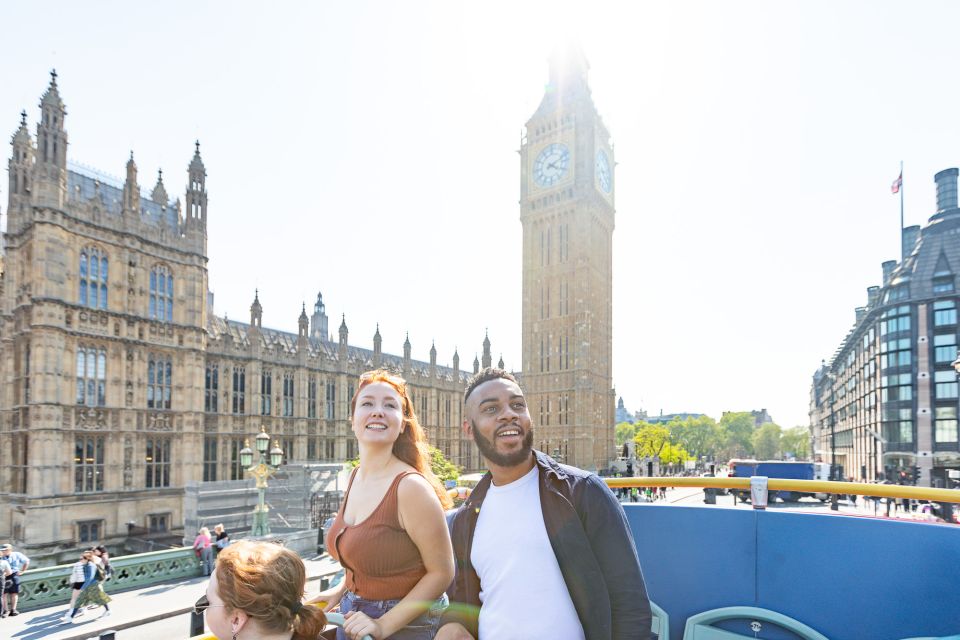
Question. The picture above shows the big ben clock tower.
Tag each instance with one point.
(567, 213)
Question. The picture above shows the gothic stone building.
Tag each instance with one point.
(118, 385)
(567, 213)
(887, 402)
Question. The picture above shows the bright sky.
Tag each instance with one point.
(368, 150)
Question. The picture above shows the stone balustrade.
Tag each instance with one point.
(50, 586)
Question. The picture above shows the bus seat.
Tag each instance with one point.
(699, 626)
(659, 622)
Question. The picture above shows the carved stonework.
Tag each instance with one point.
(127, 462)
(91, 418)
(159, 422)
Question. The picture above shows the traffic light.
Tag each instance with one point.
(915, 473)
(630, 469)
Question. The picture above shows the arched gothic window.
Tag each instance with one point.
(93, 278)
(161, 294)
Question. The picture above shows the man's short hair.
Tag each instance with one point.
(486, 375)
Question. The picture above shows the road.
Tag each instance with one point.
(686, 496)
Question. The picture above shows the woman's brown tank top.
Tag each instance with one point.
(381, 561)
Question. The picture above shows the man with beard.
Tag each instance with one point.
(542, 549)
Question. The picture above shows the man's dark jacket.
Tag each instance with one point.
(593, 544)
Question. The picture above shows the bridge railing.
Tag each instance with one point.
(51, 585)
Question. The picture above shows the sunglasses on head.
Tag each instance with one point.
(203, 604)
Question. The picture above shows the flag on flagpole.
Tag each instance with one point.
(895, 187)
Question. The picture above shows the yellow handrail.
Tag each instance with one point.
(805, 486)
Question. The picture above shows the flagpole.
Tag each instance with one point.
(902, 248)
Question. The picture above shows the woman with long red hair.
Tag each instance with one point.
(390, 533)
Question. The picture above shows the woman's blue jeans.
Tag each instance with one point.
(423, 627)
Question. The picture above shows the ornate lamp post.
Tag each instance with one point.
(266, 466)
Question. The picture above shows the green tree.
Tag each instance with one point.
(625, 431)
(797, 442)
(673, 454)
(700, 436)
(736, 434)
(441, 467)
(766, 442)
(650, 439)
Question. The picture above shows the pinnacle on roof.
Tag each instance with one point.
(433, 348)
(377, 334)
(406, 342)
(303, 313)
(343, 323)
(500, 363)
(486, 340)
(22, 134)
(159, 193)
(197, 161)
(52, 95)
(256, 301)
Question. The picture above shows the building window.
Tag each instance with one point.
(88, 464)
(91, 376)
(312, 397)
(236, 469)
(331, 401)
(944, 313)
(329, 449)
(19, 466)
(287, 395)
(266, 389)
(351, 448)
(159, 374)
(946, 384)
(211, 388)
(93, 278)
(239, 390)
(157, 462)
(161, 294)
(895, 353)
(943, 284)
(287, 445)
(946, 427)
(894, 320)
(900, 292)
(158, 522)
(26, 375)
(944, 348)
(209, 458)
(90, 530)
(898, 425)
(311, 449)
(899, 387)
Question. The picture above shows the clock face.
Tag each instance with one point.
(604, 175)
(551, 165)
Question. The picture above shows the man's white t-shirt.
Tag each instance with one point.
(522, 591)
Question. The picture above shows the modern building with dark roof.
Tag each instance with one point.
(885, 405)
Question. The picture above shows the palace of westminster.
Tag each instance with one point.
(119, 385)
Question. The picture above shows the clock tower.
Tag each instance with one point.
(567, 213)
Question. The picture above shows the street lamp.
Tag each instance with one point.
(266, 466)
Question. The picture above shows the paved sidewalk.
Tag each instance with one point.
(130, 609)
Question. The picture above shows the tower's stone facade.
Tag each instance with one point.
(567, 213)
(117, 383)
